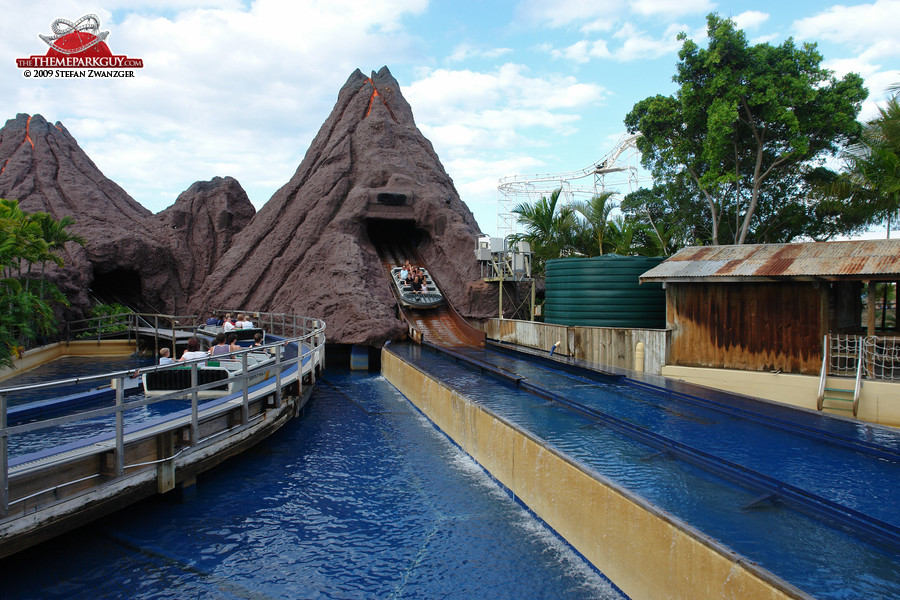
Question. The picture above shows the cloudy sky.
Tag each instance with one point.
(501, 88)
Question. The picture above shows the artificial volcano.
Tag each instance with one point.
(149, 262)
(369, 175)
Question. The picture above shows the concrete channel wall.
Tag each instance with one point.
(636, 349)
(44, 354)
(879, 401)
(644, 551)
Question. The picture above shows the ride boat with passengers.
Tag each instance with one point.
(429, 297)
(225, 369)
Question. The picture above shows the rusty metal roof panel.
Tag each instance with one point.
(851, 260)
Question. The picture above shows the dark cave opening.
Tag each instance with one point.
(118, 285)
(396, 231)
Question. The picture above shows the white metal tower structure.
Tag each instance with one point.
(617, 172)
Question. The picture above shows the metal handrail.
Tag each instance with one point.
(129, 319)
(826, 350)
(857, 389)
(310, 345)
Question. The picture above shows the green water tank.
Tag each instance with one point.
(604, 291)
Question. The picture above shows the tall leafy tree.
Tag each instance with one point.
(743, 126)
(27, 240)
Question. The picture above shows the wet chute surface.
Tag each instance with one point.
(440, 325)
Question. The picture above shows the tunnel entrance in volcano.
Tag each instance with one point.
(394, 237)
(118, 285)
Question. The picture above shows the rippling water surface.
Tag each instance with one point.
(360, 498)
(805, 551)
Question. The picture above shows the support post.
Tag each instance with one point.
(4, 460)
(870, 308)
(501, 294)
(532, 299)
(245, 405)
(195, 401)
(120, 426)
(278, 375)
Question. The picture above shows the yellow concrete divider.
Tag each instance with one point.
(644, 551)
(44, 354)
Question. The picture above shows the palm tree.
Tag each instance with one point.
(873, 175)
(596, 214)
(549, 231)
(54, 234)
(26, 240)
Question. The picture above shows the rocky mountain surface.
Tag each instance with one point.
(130, 254)
(369, 185)
(203, 224)
(368, 175)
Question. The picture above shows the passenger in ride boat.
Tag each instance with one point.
(164, 358)
(404, 271)
(228, 324)
(417, 285)
(257, 340)
(193, 350)
(239, 321)
(232, 343)
(213, 320)
(220, 346)
(248, 324)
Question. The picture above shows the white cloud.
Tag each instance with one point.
(466, 51)
(238, 91)
(633, 45)
(750, 19)
(487, 125)
(862, 25)
(671, 7)
(637, 45)
(561, 13)
(583, 51)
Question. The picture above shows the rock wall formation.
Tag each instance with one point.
(369, 173)
(313, 249)
(130, 254)
(203, 224)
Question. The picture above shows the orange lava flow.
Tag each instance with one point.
(27, 139)
(371, 100)
(27, 134)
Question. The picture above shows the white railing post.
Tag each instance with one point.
(245, 405)
(120, 426)
(826, 347)
(195, 420)
(278, 375)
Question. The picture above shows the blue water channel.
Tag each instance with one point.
(72, 368)
(361, 497)
(820, 556)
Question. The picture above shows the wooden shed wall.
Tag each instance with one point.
(749, 326)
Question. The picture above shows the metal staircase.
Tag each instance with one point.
(840, 382)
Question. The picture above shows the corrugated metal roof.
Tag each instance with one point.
(830, 260)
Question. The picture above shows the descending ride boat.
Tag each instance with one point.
(227, 370)
(429, 297)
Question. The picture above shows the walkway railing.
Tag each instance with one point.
(104, 327)
(307, 333)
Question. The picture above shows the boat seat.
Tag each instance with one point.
(179, 378)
